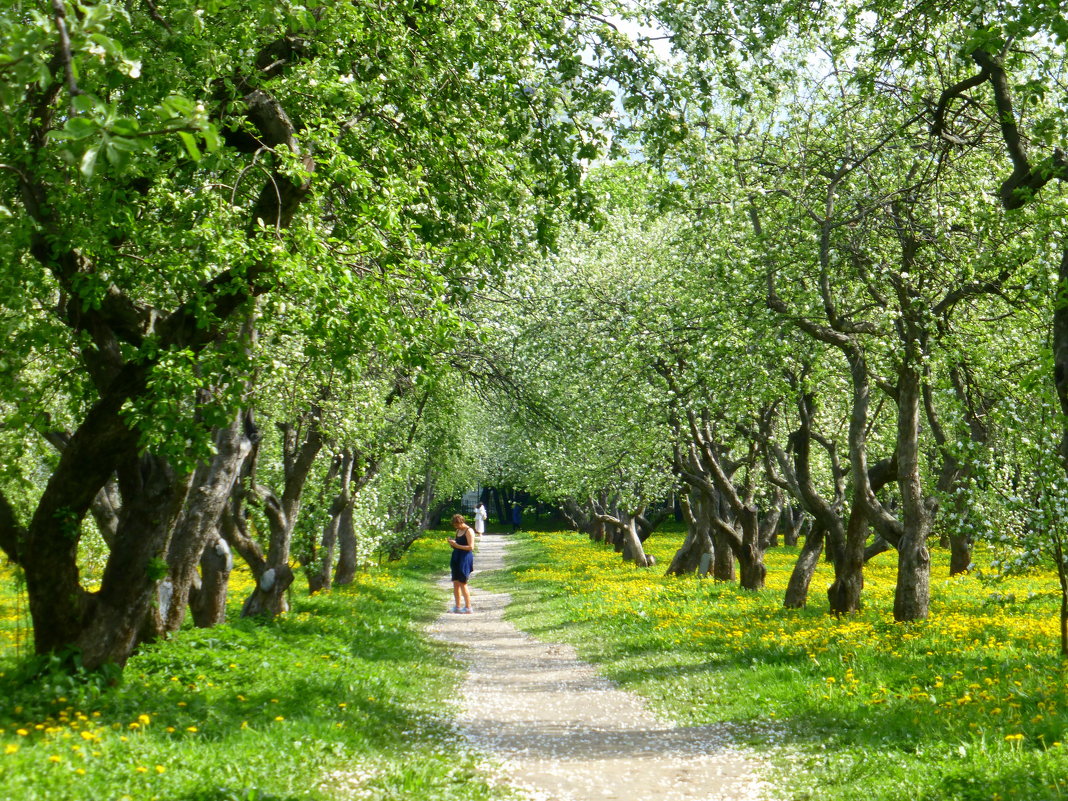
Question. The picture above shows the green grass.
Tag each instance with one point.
(343, 697)
(971, 704)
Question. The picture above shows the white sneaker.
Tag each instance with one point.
(455, 609)
(465, 611)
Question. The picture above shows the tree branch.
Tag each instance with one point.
(1018, 188)
(59, 14)
(938, 124)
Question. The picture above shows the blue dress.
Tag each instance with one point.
(463, 562)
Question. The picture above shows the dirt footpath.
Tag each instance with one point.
(564, 733)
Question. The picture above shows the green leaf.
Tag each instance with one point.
(80, 127)
(190, 145)
(178, 106)
(212, 140)
(125, 126)
(44, 75)
(118, 152)
(111, 47)
(85, 103)
(89, 161)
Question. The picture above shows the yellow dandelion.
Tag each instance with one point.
(160, 769)
(14, 749)
(192, 729)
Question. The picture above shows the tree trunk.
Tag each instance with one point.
(498, 502)
(794, 522)
(597, 531)
(697, 548)
(801, 577)
(1062, 576)
(320, 576)
(769, 524)
(751, 569)
(345, 572)
(912, 594)
(320, 572)
(878, 545)
(722, 558)
(845, 591)
(632, 545)
(207, 596)
(274, 575)
(153, 495)
(269, 597)
(212, 485)
(960, 554)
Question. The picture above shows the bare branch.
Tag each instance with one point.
(59, 13)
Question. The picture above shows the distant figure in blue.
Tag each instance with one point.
(517, 518)
(462, 563)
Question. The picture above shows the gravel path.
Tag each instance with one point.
(563, 732)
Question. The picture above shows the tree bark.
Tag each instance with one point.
(793, 524)
(273, 573)
(801, 577)
(153, 497)
(207, 595)
(913, 591)
(212, 486)
(878, 545)
(320, 572)
(697, 549)
(345, 572)
(722, 558)
(632, 544)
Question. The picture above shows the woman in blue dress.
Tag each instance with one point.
(462, 563)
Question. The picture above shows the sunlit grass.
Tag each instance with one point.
(15, 634)
(970, 704)
(343, 697)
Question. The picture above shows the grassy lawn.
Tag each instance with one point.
(343, 697)
(971, 704)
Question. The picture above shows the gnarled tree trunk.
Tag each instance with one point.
(801, 577)
(696, 550)
(212, 485)
(207, 595)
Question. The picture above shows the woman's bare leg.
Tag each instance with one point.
(467, 597)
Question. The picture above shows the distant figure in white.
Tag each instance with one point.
(480, 520)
